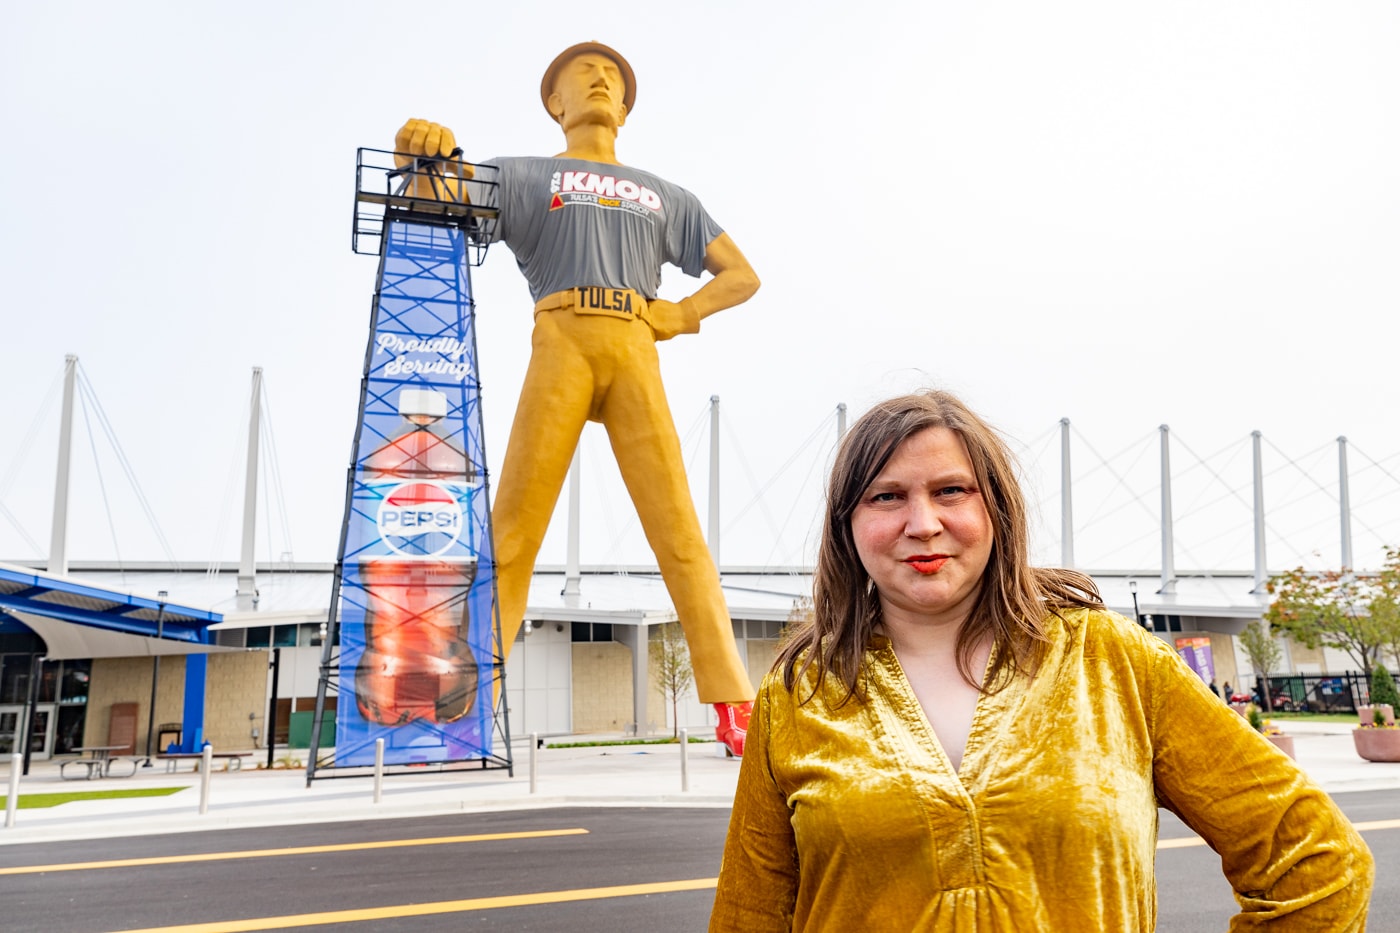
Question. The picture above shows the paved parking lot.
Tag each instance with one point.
(608, 840)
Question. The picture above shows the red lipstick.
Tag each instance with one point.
(927, 563)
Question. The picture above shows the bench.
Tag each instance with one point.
(98, 763)
(233, 761)
(85, 764)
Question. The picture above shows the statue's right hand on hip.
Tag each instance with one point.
(669, 318)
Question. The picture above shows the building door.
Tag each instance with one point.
(42, 729)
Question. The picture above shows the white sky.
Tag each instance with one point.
(1127, 214)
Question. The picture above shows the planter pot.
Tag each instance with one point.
(1284, 743)
(1377, 744)
(1367, 714)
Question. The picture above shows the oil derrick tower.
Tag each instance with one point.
(412, 651)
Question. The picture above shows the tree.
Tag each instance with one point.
(670, 665)
(800, 614)
(1264, 655)
(1386, 608)
(1335, 608)
(1392, 639)
(1383, 688)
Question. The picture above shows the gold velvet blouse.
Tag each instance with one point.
(852, 818)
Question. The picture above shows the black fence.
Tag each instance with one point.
(1318, 693)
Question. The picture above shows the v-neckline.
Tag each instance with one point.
(980, 747)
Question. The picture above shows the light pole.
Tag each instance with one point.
(270, 726)
(1132, 588)
(26, 729)
(155, 677)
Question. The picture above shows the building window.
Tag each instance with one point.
(76, 676)
(758, 630)
(1166, 623)
(48, 681)
(230, 637)
(17, 669)
(591, 631)
(14, 678)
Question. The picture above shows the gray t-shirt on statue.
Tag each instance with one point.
(571, 222)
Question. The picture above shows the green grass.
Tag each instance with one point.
(37, 801)
(1316, 717)
(692, 740)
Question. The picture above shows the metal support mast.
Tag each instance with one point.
(714, 478)
(1261, 572)
(1168, 551)
(572, 572)
(1344, 482)
(58, 542)
(247, 569)
(1066, 499)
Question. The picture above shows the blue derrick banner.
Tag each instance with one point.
(417, 580)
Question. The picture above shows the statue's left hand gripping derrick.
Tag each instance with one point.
(429, 151)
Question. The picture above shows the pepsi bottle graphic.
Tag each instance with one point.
(417, 663)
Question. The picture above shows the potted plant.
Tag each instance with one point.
(1377, 738)
(1266, 728)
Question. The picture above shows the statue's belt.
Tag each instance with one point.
(592, 299)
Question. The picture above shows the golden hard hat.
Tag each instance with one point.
(629, 94)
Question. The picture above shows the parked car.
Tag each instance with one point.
(1282, 701)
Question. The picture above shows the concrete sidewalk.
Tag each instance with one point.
(617, 775)
(614, 775)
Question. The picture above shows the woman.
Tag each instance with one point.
(959, 741)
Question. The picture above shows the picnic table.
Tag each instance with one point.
(233, 761)
(98, 763)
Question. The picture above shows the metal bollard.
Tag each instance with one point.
(685, 762)
(206, 771)
(12, 801)
(534, 761)
(378, 770)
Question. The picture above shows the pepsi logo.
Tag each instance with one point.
(419, 519)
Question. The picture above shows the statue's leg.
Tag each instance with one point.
(554, 404)
(648, 453)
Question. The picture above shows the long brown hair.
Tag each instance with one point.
(1014, 597)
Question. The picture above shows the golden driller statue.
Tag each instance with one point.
(591, 235)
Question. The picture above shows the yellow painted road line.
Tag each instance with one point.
(1377, 824)
(1187, 842)
(440, 907)
(300, 850)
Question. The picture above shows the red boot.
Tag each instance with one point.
(733, 726)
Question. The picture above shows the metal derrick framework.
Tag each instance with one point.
(465, 197)
(421, 352)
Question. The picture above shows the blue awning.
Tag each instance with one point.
(32, 595)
